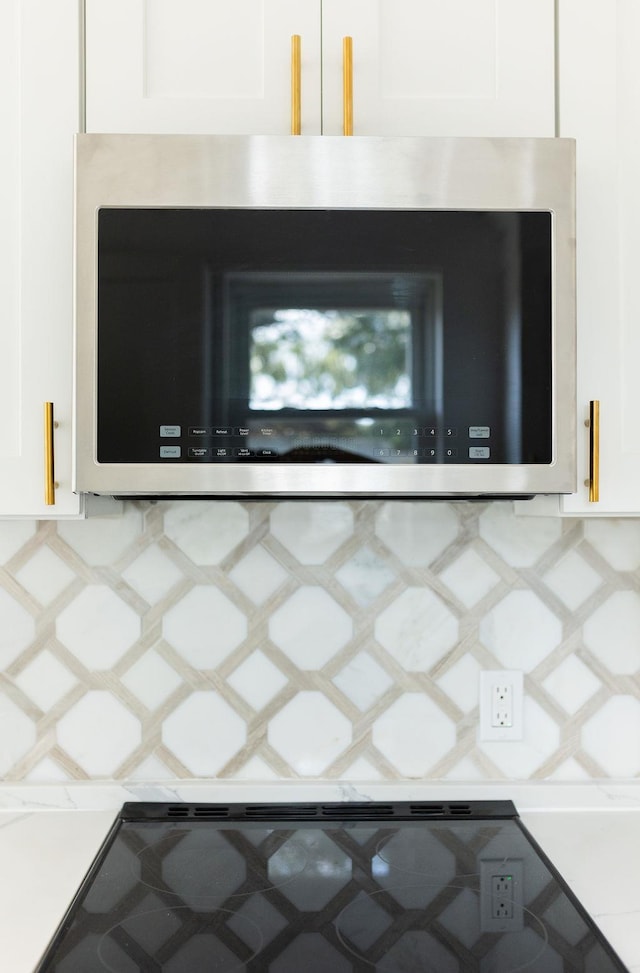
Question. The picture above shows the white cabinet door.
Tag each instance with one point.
(442, 67)
(599, 106)
(38, 116)
(200, 66)
(421, 67)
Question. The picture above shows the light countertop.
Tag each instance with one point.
(49, 836)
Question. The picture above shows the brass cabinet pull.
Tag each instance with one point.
(594, 451)
(347, 85)
(296, 85)
(49, 477)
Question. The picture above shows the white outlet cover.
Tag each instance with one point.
(488, 679)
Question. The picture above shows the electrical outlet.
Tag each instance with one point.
(501, 713)
(501, 895)
(501, 692)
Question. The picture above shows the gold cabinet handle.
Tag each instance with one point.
(593, 422)
(347, 86)
(296, 85)
(49, 477)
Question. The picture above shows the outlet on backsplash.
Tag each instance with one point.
(501, 693)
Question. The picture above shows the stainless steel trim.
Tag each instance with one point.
(319, 172)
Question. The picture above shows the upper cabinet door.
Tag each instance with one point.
(200, 66)
(39, 111)
(442, 67)
(599, 106)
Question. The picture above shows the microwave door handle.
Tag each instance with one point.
(296, 85)
(347, 86)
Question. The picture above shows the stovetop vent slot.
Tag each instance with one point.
(275, 811)
(440, 810)
(352, 810)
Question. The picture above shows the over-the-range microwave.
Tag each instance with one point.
(271, 317)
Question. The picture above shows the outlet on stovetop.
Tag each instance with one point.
(501, 895)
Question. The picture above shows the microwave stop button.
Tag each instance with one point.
(479, 432)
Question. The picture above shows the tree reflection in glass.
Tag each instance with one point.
(304, 358)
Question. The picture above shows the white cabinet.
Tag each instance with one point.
(38, 116)
(200, 66)
(421, 67)
(442, 67)
(599, 106)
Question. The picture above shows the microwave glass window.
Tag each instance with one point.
(305, 358)
(379, 336)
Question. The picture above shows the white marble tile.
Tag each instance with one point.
(14, 534)
(151, 679)
(569, 770)
(461, 683)
(417, 629)
(99, 733)
(365, 576)
(520, 631)
(413, 734)
(309, 732)
(470, 578)
(612, 632)
(204, 627)
(258, 575)
(256, 769)
(417, 533)
(98, 627)
(612, 737)
(17, 733)
(572, 580)
(152, 769)
(257, 680)
(45, 575)
(47, 771)
(204, 732)
(206, 532)
(362, 769)
(571, 684)
(520, 541)
(45, 680)
(152, 574)
(465, 770)
(363, 680)
(310, 627)
(102, 540)
(312, 532)
(618, 541)
(17, 629)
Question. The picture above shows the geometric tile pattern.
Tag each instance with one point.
(311, 639)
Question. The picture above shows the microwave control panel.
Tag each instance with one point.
(282, 442)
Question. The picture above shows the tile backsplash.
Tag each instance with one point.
(316, 640)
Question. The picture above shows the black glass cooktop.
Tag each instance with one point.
(325, 888)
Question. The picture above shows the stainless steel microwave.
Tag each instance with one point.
(268, 317)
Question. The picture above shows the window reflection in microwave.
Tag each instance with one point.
(306, 358)
(336, 341)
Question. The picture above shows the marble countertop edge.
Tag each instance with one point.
(109, 795)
